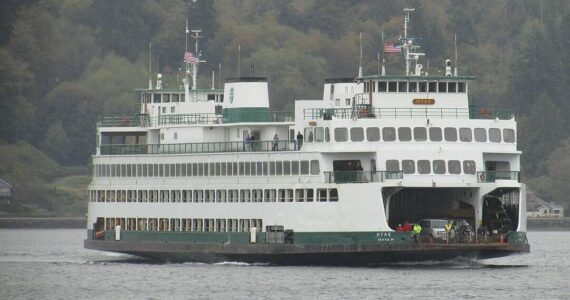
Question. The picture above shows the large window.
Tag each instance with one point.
(372, 134)
(404, 134)
(408, 166)
(392, 165)
(439, 167)
(465, 135)
(356, 134)
(450, 134)
(509, 135)
(469, 167)
(454, 167)
(424, 166)
(340, 134)
(420, 134)
(389, 134)
(495, 135)
(435, 134)
(319, 134)
(480, 135)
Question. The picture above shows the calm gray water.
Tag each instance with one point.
(52, 264)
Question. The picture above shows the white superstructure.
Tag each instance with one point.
(375, 152)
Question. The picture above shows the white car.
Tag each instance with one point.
(434, 227)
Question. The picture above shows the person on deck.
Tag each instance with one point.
(417, 232)
(399, 228)
(299, 140)
(407, 227)
(275, 142)
(247, 144)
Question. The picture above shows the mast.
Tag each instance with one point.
(186, 80)
(196, 35)
(407, 44)
(360, 63)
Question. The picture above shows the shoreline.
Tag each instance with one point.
(537, 224)
(43, 223)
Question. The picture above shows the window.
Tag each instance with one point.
(295, 167)
(327, 135)
(162, 136)
(279, 168)
(176, 135)
(356, 134)
(166, 98)
(495, 135)
(452, 87)
(333, 195)
(461, 87)
(340, 134)
(337, 102)
(424, 166)
(442, 87)
(319, 134)
(439, 167)
(392, 165)
(403, 86)
(175, 98)
(156, 98)
(480, 135)
(164, 109)
(389, 134)
(309, 134)
(392, 86)
(469, 167)
(405, 134)
(423, 86)
(420, 134)
(347, 101)
(373, 134)
(315, 170)
(413, 87)
(465, 135)
(321, 195)
(305, 167)
(382, 86)
(172, 109)
(182, 97)
(271, 168)
(433, 87)
(454, 166)
(450, 134)
(286, 167)
(435, 134)
(408, 166)
(509, 135)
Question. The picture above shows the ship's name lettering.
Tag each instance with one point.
(424, 101)
(384, 237)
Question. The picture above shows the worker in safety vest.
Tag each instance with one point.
(417, 231)
(448, 228)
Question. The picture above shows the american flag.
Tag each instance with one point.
(189, 58)
(391, 48)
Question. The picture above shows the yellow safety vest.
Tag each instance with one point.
(448, 227)
(417, 229)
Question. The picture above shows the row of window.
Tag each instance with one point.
(427, 167)
(416, 87)
(187, 225)
(242, 168)
(175, 97)
(407, 134)
(215, 196)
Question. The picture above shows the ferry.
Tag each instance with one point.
(212, 175)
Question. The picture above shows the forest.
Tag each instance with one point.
(65, 63)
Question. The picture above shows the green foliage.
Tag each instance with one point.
(64, 63)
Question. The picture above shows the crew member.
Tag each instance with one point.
(417, 232)
(299, 140)
(448, 228)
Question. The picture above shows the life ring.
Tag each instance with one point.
(482, 176)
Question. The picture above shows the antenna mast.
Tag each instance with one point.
(407, 45)
(150, 66)
(196, 35)
(360, 64)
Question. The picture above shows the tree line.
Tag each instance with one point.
(63, 64)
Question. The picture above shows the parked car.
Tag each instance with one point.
(435, 228)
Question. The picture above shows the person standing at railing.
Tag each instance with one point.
(299, 140)
(247, 143)
(252, 143)
(275, 142)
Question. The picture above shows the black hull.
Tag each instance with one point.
(307, 255)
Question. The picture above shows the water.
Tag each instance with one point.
(52, 264)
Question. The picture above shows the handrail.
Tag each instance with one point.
(144, 120)
(211, 147)
(412, 112)
(492, 176)
(361, 176)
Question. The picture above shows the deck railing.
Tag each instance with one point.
(361, 176)
(143, 120)
(491, 176)
(395, 113)
(213, 147)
